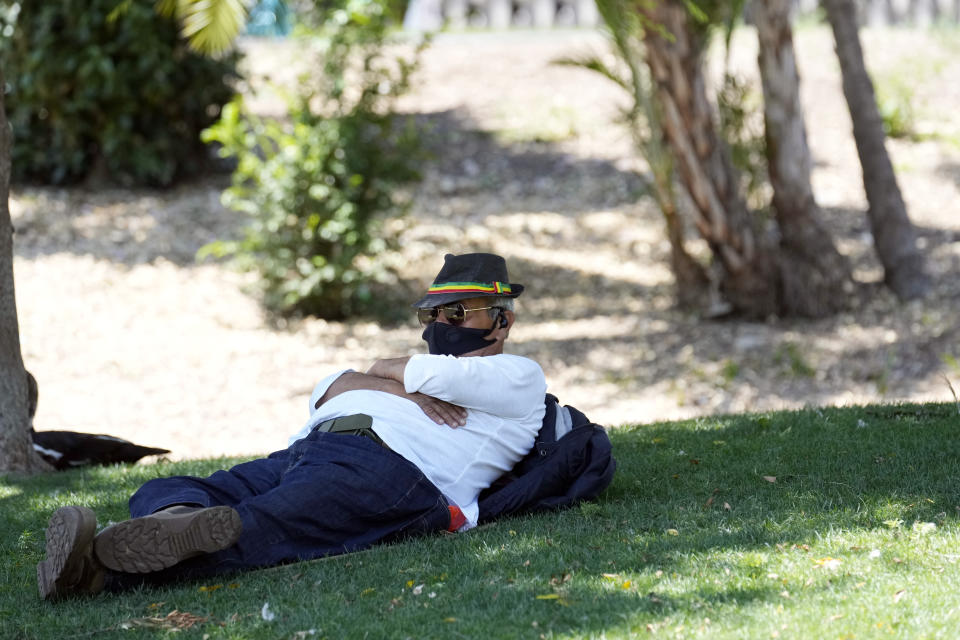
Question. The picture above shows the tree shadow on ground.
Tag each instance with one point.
(497, 175)
(133, 227)
(950, 170)
(125, 226)
(851, 470)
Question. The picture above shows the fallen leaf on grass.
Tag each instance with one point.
(673, 532)
(828, 563)
(556, 597)
(710, 499)
(210, 588)
(449, 619)
(367, 591)
(770, 479)
(174, 620)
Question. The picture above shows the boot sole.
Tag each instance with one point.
(69, 533)
(155, 542)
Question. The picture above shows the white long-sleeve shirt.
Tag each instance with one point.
(503, 395)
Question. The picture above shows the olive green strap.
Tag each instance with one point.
(355, 422)
(358, 424)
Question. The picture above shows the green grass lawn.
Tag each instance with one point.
(822, 523)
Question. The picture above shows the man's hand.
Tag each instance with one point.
(440, 411)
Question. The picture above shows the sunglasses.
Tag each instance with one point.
(454, 313)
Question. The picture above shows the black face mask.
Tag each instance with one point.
(448, 340)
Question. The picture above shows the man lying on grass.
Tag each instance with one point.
(403, 449)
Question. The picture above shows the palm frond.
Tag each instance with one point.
(698, 13)
(210, 26)
(167, 8)
(596, 64)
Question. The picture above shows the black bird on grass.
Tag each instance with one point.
(69, 449)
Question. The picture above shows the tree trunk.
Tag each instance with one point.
(16, 446)
(813, 273)
(893, 233)
(692, 283)
(750, 281)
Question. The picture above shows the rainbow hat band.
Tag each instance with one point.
(498, 288)
(472, 275)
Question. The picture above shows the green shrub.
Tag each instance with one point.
(320, 185)
(106, 88)
(741, 125)
(895, 104)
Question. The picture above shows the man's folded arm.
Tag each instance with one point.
(437, 410)
(353, 381)
(503, 385)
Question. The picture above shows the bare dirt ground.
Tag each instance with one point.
(129, 336)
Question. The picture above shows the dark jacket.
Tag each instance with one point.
(557, 472)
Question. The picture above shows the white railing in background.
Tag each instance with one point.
(431, 15)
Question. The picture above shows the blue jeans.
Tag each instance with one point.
(326, 494)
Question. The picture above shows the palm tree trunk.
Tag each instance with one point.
(16, 446)
(750, 281)
(813, 273)
(893, 233)
(692, 283)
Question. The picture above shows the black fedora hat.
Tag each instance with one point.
(471, 275)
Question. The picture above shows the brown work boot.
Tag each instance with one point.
(70, 568)
(164, 538)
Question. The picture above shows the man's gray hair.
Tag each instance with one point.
(500, 302)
